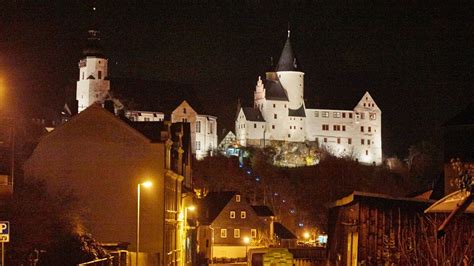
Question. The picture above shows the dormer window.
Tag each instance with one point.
(237, 198)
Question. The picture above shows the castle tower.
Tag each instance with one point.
(290, 76)
(93, 84)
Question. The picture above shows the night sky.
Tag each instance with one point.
(415, 60)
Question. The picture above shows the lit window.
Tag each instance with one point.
(223, 233)
(337, 114)
(243, 214)
(237, 198)
(253, 233)
(232, 215)
(372, 116)
(325, 114)
(236, 233)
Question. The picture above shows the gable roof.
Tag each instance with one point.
(287, 61)
(184, 104)
(282, 232)
(275, 91)
(253, 114)
(262, 211)
(300, 112)
(211, 206)
(95, 112)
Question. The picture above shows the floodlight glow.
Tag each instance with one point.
(147, 184)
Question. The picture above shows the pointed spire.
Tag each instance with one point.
(287, 60)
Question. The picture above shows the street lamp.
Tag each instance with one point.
(146, 184)
(246, 242)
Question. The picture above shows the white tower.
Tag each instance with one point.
(290, 76)
(93, 84)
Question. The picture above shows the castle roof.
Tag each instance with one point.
(275, 91)
(287, 61)
(253, 114)
(298, 112)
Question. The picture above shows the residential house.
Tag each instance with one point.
(102, 158)
(203, 129)
(226, 220)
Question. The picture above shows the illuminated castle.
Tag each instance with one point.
(279, 115)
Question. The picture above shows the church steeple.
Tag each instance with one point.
(287, 60)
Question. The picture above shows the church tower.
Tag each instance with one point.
(93, 84)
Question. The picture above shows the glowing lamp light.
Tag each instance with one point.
(306, 235)
(147, 184)
(192, 208)
(246, 240)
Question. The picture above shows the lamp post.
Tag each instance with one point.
(147, 185)
(246, 242)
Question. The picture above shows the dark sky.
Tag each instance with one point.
(415, 59)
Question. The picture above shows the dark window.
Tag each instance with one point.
(100, 74)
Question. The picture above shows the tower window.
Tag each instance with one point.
(100, 74)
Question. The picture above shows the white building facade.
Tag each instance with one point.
(279, 114)
(203, 129)
(93, 86)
